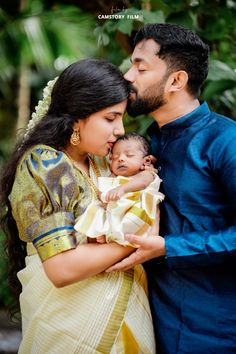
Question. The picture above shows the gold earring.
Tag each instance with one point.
(75, 138)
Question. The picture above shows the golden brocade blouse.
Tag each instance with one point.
(48, 194)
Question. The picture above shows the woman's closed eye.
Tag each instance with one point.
(110, 120)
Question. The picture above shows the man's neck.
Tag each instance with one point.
(174, 109)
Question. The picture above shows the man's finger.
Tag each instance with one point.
(125, 264)
(117, 267)
(139, 241)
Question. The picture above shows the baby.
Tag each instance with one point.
(129, 197)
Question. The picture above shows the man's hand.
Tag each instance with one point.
(148, 248)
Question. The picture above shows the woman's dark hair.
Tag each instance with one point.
(85, 87)
(181, 48)
(146, 148)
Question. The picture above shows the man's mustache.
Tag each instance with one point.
(132, 89)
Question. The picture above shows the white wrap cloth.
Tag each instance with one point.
(134, 212)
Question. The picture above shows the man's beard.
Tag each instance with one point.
(153, 98)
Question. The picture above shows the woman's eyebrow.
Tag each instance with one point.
(115, 113)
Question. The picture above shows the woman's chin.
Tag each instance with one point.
(102, 153)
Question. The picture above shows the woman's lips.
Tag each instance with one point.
(110, 144)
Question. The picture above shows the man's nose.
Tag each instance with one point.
(129, 75)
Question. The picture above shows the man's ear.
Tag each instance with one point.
(178, 81)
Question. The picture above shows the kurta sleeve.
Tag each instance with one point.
(208, 248)
(43, 197)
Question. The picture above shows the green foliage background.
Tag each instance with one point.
(38, 39)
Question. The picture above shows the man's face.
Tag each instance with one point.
(147, 75)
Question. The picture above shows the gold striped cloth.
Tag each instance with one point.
(107, 313)
(134, 213)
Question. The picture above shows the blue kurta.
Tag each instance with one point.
(193, 291)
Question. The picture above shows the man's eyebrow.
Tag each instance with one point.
(137, 60)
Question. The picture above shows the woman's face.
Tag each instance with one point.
(100, 130)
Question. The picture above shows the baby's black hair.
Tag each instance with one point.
(146, 148)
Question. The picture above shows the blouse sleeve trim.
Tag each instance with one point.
(49, 233)
(52, 234)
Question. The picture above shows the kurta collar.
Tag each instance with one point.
(196, 116)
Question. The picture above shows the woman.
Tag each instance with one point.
(68, 304)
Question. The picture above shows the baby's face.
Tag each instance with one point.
(126, 158)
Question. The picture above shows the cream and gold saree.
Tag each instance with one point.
(106, 313)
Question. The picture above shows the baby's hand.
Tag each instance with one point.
(115, 193)
(150, 169)
(101, 239)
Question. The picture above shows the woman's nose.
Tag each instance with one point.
(119, 129)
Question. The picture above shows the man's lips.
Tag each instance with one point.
(132, 91)
(132, 95)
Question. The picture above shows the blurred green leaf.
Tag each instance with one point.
(152, 17)
(39, 45)
(125, 26)
(5, 294)
(184, 18)
(216, 87)
(228, 98)
(125, 65)
(220, 71)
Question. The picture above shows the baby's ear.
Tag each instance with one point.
(149, 160)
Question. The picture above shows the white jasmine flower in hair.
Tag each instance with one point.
(41, 109)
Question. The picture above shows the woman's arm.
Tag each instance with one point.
(43, 200)
(82, 262)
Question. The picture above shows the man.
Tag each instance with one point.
(192, 272)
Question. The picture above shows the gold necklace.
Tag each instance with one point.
(92, 167)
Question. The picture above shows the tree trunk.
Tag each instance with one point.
(23, 102)
(23, 99)
(146, 5)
